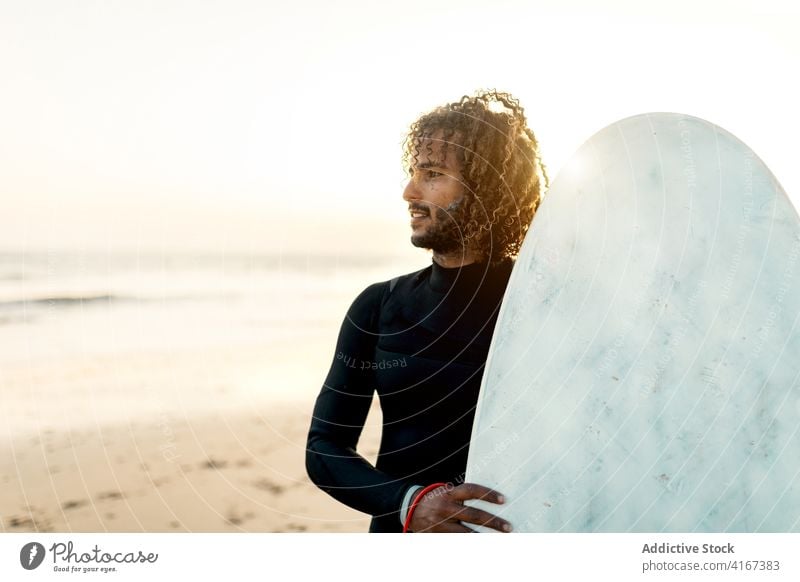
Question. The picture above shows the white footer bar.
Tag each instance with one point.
(356, 557)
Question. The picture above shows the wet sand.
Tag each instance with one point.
(163, 463)
(214, 474)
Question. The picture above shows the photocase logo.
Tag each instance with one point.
(31, 555)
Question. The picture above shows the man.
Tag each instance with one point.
(421, 340)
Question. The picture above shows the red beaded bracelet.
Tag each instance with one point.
(416, 501)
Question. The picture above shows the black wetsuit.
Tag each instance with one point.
(422, 345)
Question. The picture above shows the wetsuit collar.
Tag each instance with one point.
(442, 279)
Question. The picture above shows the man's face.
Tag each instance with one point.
(434, 194)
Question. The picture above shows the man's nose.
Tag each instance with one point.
(411, 192)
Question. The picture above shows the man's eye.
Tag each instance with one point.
(434, 174)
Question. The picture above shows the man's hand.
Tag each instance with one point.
(441, 510)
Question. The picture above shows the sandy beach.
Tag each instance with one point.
(234, 470)
(213, 474)
(144, 401)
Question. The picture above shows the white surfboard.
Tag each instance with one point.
(644, 374)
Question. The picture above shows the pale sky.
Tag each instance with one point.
(246, 125)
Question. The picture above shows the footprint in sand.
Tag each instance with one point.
(267, 485)
(16, 521)
(30, 522)
(234, 519)
(74, 504)
(110, 495)
(214, 464)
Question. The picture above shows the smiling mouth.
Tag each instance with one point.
(418, 217)
(419, 213)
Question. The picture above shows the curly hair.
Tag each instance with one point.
(502, 167)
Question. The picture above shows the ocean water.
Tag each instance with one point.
(126, 336)
(206, 299)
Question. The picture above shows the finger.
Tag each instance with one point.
(430, 516)
(484, 518)
(444, 510)
(475, 491)
(440, 519)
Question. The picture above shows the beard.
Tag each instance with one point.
(446, 234)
